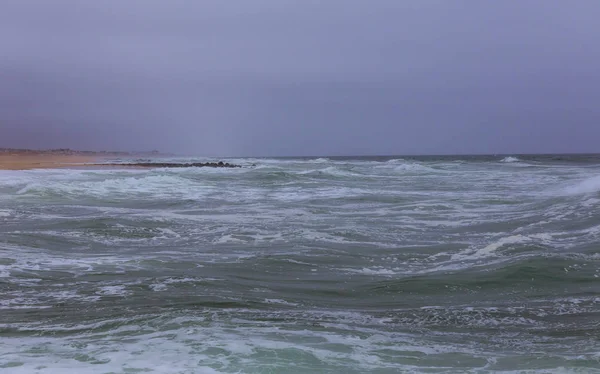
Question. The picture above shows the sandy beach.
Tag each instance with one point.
(21, 161)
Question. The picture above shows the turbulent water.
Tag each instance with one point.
(349, 265)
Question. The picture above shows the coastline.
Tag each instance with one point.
(44, 161)
(24, 159)
(27, 159)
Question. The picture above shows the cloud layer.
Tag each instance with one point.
(276, 77)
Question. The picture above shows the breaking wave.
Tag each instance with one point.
(587, 186)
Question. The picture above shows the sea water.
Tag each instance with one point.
(305, 265)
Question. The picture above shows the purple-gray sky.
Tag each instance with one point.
(283, 77)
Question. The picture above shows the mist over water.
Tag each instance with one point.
(303, 265)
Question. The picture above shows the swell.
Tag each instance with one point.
(540, 274)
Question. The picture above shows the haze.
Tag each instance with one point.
(275, 77)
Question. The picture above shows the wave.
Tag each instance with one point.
(268, 166)
(587, 186)
(237, 340)
(155, 185)
(510, 159)
(510, 272)
(396, 161)
(402, 166)
(334, 171)
(490, 249)
(501, 253)
(414, 167)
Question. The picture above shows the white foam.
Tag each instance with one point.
(33, 261)
(544, 237)
(279, 301)
(229, 238)
(249, 238)
(164, 284)
(490, 249)
(42, 300)
(298, 262)
(168, 233)
(113, 291)
(197, 344)
(396, 161)
(373, 271)
(590, 202)
(413, 167)
(334, 171)
(158, 287)
(588, 186)
(123, 184)
(510, 159)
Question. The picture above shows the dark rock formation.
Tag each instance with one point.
(219, 164)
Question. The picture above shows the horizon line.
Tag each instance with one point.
(167, 153)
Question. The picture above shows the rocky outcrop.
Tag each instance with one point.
(219, 164)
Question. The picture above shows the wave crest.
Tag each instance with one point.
(413, 167)
(396, 161)
(587, 186)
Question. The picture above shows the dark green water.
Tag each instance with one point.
(312, 265)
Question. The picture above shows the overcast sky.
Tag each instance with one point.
(301, 77)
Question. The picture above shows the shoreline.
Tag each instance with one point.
(44, 161)
(30, 160)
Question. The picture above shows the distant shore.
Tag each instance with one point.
(26, 159)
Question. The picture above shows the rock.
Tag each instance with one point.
(220, 164)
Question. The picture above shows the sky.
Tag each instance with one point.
(289, 77)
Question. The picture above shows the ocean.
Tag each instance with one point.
(304, 265)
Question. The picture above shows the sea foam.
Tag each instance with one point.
(587, 186)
